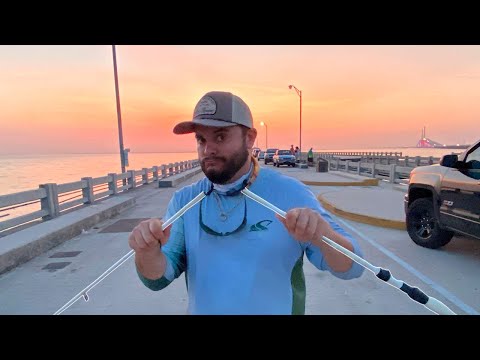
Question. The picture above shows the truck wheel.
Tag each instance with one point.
(422, 226)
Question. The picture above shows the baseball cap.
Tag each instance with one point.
(217, 108)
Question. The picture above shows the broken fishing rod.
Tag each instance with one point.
(414, 293)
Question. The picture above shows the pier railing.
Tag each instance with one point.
(360, 153)
(395, 169)
(51, 200)
(380, 158)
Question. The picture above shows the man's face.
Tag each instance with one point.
(222, 151)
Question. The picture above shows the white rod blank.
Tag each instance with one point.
(333, 244)
(127, 256)
(432, 304)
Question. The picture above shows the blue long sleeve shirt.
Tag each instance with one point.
(258, 269)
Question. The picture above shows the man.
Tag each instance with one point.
(310, 157)
(238, 256)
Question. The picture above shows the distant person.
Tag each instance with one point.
(297, 153)
(292, 150)
(310, 157)
(238, 256)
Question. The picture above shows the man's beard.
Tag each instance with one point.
(230, 167)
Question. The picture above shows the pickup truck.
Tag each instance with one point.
(283, 157)
(444, 199)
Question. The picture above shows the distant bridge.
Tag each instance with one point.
(425, 142)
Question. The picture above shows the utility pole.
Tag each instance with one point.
(119, 113)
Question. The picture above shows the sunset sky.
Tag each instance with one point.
(61, 99)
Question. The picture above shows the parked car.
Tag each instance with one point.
(283, 157)
(261, 155)
(269, 155)
(444, 199)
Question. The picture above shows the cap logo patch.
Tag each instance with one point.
(206, 106)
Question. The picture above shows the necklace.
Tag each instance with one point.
(224, 213)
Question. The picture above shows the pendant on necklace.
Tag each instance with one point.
(223, 216)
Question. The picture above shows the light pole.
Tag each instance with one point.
(299, 92)
(119, 113)
(266, 134)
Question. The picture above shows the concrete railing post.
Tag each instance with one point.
(393, 169)
(131, 179)
(87, 192)
(112, 185)
(50, 202)
(164, 171)
(373, 169)
(155, 173)
(417, 160)
(144, 176)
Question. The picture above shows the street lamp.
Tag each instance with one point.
(266, 134)
(299, 92)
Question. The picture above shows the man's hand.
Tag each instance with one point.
(305, 224)
(148, 235)
(146, 239)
